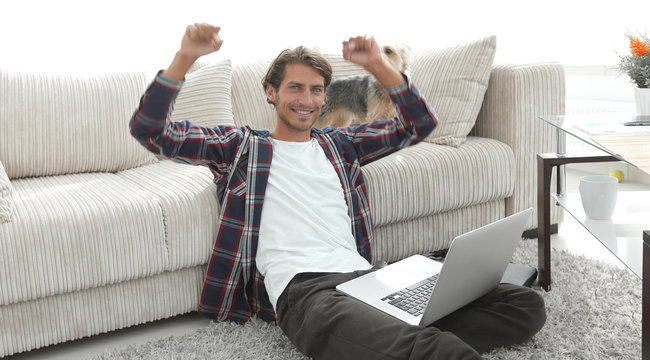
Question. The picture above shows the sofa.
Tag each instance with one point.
(98, 234)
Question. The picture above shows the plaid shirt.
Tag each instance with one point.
(240, 159)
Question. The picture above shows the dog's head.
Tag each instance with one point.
(398, 56)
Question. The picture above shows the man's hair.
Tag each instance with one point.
(299, 55)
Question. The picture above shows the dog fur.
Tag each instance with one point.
(361, 99)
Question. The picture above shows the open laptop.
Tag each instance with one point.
(474, 266)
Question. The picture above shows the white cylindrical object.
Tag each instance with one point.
(598, 194)
(642, 100)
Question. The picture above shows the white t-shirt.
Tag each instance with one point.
(305, 225)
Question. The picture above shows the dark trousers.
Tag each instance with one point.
(326, 324)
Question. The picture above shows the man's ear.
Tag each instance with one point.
(270, 94)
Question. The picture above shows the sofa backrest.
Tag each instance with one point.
(59, 124)
(55, 124)
(454, 81)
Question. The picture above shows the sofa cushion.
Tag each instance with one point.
(187, 197)
(205, 96)
(56, 124)
(78, 231)
(444, 177)
(6, 199)
(433, 232)
(454, 81)
(249, 106)
(85, 119)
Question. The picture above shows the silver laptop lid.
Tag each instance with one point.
(475, 265)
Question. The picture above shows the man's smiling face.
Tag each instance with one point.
(299, 99)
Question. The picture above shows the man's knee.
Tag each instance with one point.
(432, 343)
(531, 307)
(537, 310)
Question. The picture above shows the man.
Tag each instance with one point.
(295, 220)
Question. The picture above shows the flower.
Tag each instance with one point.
(639, 47)
(636, 64)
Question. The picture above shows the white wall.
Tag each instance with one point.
(73, 36)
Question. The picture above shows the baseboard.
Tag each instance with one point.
(533, 234)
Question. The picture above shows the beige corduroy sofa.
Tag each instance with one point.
(97, 234)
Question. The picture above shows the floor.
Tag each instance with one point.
(571, 236)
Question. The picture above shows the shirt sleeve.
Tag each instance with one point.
(415, 119)
(181, 141)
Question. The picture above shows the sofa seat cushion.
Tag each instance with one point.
(445, 177)
(76, 232)
(187, 197)
(80, 231)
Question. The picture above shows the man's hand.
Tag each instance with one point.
(364, 51)
(198, 40)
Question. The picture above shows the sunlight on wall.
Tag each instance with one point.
(85, 36)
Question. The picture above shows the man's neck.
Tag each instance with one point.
(292, 136)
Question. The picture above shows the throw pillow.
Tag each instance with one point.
(249, 104)
(205, 96)
(454, 81)
(6, 201)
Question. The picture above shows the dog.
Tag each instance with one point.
(361, 99)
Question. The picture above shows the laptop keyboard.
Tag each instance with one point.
(413, 299)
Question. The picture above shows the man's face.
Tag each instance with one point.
(299, 99)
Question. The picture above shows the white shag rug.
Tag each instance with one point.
(594, 312)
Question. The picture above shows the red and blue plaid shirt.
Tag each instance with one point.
(240, 159)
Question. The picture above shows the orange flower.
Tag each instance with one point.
(639, 47)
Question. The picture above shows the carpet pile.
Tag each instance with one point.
(594, 312)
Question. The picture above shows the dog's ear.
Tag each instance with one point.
(406, 55)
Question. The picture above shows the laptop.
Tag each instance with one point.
(474, 265)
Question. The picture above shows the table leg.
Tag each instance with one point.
(544, 172)
(645, 310)
(545, 165)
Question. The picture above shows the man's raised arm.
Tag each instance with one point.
(364, 51)
(182, 140)
(415, 119)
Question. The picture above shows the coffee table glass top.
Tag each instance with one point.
(607, 133)
(622, 235)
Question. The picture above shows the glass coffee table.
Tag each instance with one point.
(627, 234)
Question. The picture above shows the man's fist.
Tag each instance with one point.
(200, 39)
(362, 50)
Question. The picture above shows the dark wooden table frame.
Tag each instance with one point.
(545, 165)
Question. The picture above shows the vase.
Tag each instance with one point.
(642, 99)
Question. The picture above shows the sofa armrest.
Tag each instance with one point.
(516, 97)
(6, 200)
